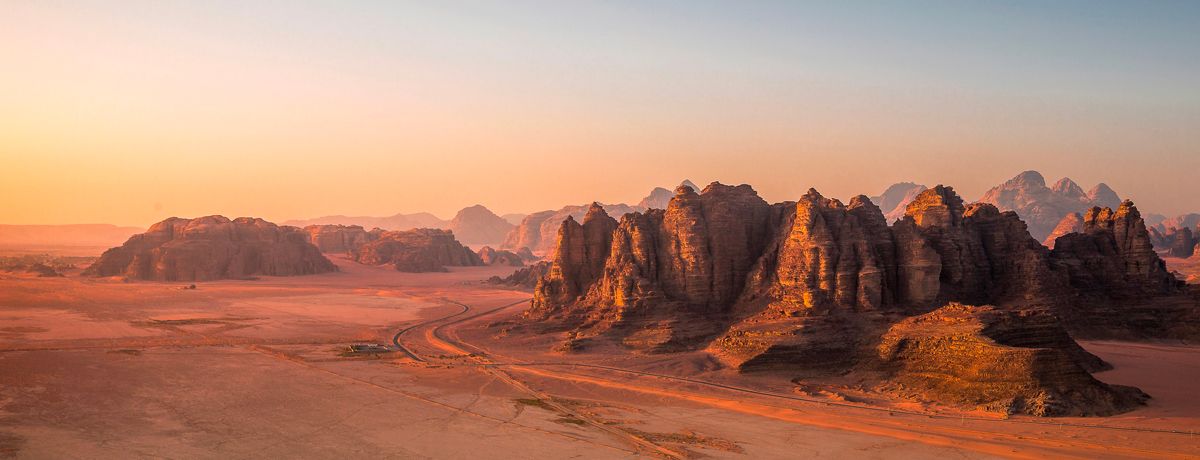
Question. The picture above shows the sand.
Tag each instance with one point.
(100, 368)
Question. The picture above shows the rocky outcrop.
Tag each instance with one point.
(213, 247)
(538, 231)
(666, 271)
(490, 256)
(1183, 243)
(525, 278)
(418, 250)
(338, 238)
(1175, 241)
(1113, 257)
(1011, 361)
(1071, 223)
(811, 286)
(894, 201)
(478, 225)
(577, 262)
(1042, 207)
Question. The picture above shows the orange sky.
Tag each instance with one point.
(131, 113)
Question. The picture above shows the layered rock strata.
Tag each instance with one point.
(1011, 361)
(213, 247)
(418, 250)
(338, 238)
(811, 286)
(490, 256)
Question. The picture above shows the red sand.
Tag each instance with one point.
(241, 369)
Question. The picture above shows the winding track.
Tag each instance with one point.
(436, 333)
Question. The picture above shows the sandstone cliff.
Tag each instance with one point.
(538, 231)
(894, 201)
(490, 256)
(1071, 223)
(213, 247)
(1010, 361)
(809, 286)
(337, 238)
(478, 225)
(526, 277)
(417, 250)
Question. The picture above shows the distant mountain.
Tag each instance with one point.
(895, 199)
(1044, 207)
(1190, 220)
(659, 197)
(479, 225)
(538, 231)
(396, 222)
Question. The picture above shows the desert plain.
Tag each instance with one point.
(109, 368)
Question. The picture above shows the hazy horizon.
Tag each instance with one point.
(131, 113)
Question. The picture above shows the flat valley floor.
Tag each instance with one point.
(100, 368)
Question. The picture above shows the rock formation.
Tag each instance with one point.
(1042, 207)
(1183, 244)
(1011, 361)
(539, 230)
(338, 238)
(894, 201)
(490, 256)
(478, 225)
(1175, 241)
(1071, 223)
(526, 277)
(1113, 255)
(808, 286)
(418, 250)
(213, 247)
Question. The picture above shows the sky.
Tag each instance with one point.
(130, 112)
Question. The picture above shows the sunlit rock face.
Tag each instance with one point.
(812, 286)
(1043, 207)
(210, 248)
(479, 225)
(1113, 254)
(489, 256)
(418, 250)
(1070, 223)
(893, 202)
(337, 238)
(712, 263)
(1012, 361)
